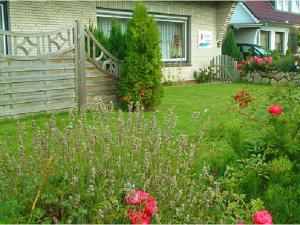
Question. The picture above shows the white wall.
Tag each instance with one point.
(246, 35)
(242, 15)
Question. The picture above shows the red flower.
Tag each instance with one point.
(151, 208)
(262, 217)
(276, 110)
(137, 198)
(138, 217)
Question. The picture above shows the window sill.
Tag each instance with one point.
(177, 64)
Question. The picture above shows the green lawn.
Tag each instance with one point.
(215, 99)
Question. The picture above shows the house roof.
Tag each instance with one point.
(264, 11)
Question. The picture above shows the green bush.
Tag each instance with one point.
(142, 69)
(229, 46)
(269, 165)
(204, 75)
(116, 41)
(285, 63)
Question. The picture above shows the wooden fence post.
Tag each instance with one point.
(80, 64)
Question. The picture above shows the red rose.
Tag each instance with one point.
(151, 208)
(276, 110)
(262, 217)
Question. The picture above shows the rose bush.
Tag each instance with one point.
(256, 64)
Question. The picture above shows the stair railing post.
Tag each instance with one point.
(80, 64)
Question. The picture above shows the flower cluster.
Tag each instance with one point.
(243, 97)
(262, 217)
(143, 206)
(256, 63)
(275, 110)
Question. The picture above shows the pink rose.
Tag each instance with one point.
(275, 110)
(151, 208)
(262, 217)
(239, 66)
(139, 218)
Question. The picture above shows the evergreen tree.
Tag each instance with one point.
(116, 41)
(142, 69)
(229, 46)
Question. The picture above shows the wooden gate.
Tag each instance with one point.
(225, 69)
(54, 71)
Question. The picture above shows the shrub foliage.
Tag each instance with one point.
(142, 69)
(229, 46)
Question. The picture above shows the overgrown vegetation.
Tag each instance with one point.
(229, 46)
(142, 69)
(79, 168)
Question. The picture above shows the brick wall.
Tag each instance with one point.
(35, 16)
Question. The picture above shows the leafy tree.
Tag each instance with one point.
(229, 46)
(116, 40)
(142, 69)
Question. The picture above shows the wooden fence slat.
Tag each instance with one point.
(225, 68)
(35, 67)
(49, 77)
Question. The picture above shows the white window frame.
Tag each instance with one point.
(3, 27)
(297, 3)
(158, 17)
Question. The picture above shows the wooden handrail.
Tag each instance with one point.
(87, 30)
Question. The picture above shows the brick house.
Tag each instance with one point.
(189, 21)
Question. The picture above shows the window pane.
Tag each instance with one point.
(2, 28)
(264, 39)
(296, 6)
(279, 41)
(172, 40)
(104, 24)
(173, 35)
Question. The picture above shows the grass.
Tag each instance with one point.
(187, 100)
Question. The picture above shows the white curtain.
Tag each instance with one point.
(169, 32)
(104, 23)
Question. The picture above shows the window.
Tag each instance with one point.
(282, 5)
(279, 41)
(173, 30)
(264, 39)
(2, 27)
(295, 6)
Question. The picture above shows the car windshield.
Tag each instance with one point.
(260, 50)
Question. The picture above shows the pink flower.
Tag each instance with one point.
(262, 217)
(275, 110)
(137, 197)
(239, 223)
(239, 66)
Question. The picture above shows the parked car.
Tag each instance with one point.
(252, 50)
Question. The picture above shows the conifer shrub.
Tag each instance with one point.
(229, 46)
(116, 40)
(142, 68)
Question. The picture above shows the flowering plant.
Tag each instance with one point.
(256, 63)
(262, 217)
(143, 206)
(204, 75)
(275, 110)
(243, 97)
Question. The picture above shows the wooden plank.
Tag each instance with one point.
(81, 64)
(101, 91)
(34, 67)
(38, 108)
(95, 83)
(38, 78)
(37, 88)
(34, 98)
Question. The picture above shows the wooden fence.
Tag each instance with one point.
(225, 69)
(54, 71)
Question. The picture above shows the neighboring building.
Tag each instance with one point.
(266, 23)
(191, 31)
